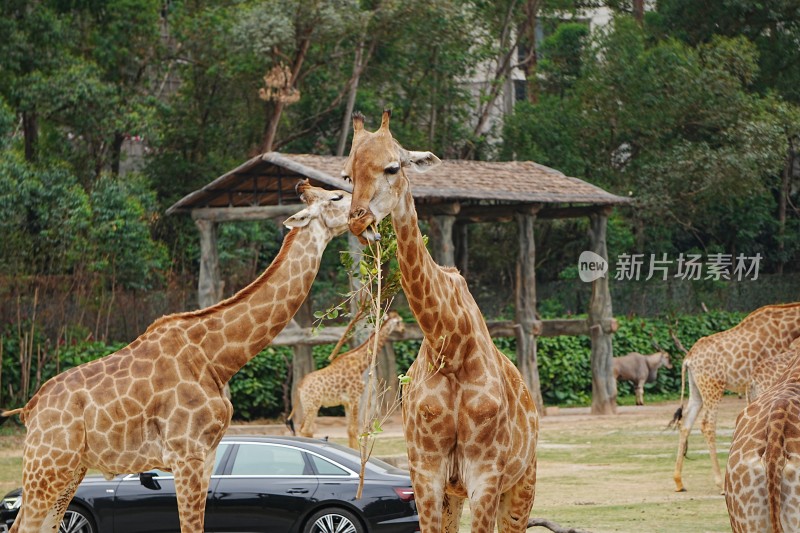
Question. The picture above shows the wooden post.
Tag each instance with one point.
(302, 359)
(461, 239)
(209, 286)
(525, 293)
(443, 251)
(604, 386)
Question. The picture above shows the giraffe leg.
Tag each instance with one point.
(516, 504)
(351, 414)
(53, 519)
(192, 477)
(42, 496)
(427, 478)
(484, 501)
(452, 506)
(709, 428)
(693, 408)
(309, 419)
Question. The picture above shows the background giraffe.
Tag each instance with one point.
(726, 360)
(761, 480)
(159, 402)
(342, 382)
(470, 423)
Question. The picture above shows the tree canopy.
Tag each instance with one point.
(692, 109)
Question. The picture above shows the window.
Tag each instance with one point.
(327, 468)
(267, 460)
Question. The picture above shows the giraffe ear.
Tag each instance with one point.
(420, 161)
(299, 219)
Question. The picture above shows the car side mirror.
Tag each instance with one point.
(148, 480)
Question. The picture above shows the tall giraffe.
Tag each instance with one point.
(761, 481)
(469, 420)
(726, 360)
(342, 382)
(159, 402)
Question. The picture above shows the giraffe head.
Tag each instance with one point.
(328, 208)
(376, 167)
(394, 322)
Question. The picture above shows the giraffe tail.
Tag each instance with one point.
(290, 423)
(676, 418)
(5, 415)
(775, 458)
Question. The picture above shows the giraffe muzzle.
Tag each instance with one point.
(362, 225)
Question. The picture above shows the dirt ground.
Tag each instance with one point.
(614, 473)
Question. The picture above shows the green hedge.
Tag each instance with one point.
(257, 390)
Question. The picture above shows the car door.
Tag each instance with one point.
(148, 504)
(265, 488)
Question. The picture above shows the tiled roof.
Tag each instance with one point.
(270, 178)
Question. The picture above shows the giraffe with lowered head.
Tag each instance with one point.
(730, 360)
(469, 420)
(159, 402)
(761, 481)
(342, 382)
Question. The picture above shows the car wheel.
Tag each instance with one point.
(77, 520)
(333, 520)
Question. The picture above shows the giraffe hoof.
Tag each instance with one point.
(680, 489)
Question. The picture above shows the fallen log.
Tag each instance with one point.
(552, 526)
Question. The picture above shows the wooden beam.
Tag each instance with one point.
(497, 328)
(226, 214)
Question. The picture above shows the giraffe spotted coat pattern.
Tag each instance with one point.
(762, 478)
(470, 422)
(342, 382)
(727, 360)
(159, 402)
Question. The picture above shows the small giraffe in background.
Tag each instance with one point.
(761, 479)
(726, 360)
(159, 402)
(342, 382)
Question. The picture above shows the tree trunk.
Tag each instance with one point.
(783, 199)
(638, 11)
(30, 128)
(358, 66)
(275, 119)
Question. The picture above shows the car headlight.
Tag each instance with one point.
(12, 502)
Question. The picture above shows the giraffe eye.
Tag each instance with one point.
(394, 168)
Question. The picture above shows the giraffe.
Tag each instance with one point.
(726, 360)
(761, 479)
(342, 382)
(469, 420)
(159, 402)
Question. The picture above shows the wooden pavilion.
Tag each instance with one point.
(449, 197)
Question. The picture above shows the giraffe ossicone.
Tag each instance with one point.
(746, 358)
(159, 402)
(469, 420)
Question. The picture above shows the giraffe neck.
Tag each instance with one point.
(363, 359)
(438, 296)
(254, 316)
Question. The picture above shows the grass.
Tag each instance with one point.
(596, 473)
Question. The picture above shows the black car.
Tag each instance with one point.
(259, 484)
